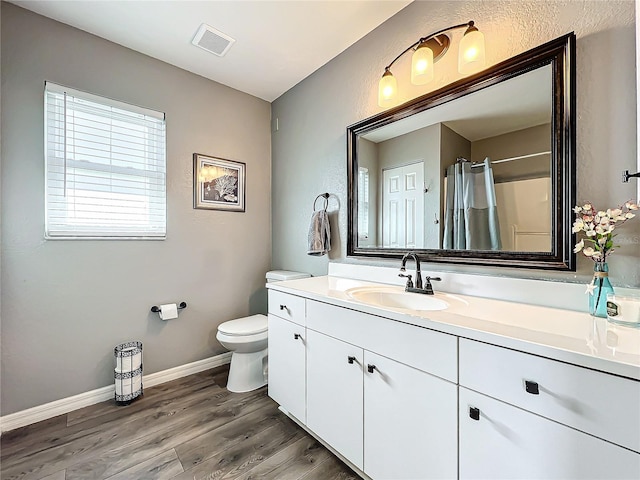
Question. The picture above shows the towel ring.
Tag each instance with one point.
(326, 201)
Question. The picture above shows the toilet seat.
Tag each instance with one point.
(244, 326)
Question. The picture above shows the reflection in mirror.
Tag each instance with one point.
(430, 188)
(487, 168)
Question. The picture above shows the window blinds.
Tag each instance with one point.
(105, 167)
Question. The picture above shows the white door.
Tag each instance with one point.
(403, 206)
(505, 442)
(410, 423)
(287, 365)
(334, 394)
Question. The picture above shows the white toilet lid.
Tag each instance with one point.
(245, 326)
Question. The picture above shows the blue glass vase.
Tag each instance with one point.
(602, 287)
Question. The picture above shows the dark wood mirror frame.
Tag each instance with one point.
(560, 54)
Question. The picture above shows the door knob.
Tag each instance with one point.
(370, 368)
(351, 359)
(297, 336)
(283, 307)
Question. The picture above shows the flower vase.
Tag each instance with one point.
(601, 287)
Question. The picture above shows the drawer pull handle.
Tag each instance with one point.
(474, 413)
(351, 359)
(531, 387)
(283, 307)
(370, 368)
(297, 336)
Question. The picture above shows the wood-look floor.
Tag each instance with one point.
(191, 428)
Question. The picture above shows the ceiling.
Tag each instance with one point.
(278, 43)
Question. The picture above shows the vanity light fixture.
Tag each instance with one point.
(427, 51)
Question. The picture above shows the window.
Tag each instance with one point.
(105, 167)
(363, 203)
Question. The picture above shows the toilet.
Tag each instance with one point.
(246, 338)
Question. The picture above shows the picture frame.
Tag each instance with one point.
(218, 183)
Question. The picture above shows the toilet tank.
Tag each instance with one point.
(282, 275)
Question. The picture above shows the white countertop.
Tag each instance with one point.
(564, 335)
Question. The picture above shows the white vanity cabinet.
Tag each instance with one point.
(523, 416)
(287, 353)
(400, 401)
(388, 418)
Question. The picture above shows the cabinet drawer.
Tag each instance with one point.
(432, 352)
(287, 306)
(598, 403)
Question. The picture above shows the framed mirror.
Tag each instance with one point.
(481, 171)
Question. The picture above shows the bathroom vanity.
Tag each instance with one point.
(409, 386)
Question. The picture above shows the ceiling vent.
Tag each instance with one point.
(212, 40)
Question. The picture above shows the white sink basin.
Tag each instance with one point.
(396, 297)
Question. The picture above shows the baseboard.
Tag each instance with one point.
(69, 404)
(185, 370)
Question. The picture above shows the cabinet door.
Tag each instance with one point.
(287, 365)
(410, 422)
(508, 442)
(334, 394)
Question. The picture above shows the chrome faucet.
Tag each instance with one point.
(418, 272)
(428, 288)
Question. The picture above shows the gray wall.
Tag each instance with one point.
(65, 304)
(452, 146)
(521, 142)
(309, 154)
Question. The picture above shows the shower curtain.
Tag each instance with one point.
(471, 215)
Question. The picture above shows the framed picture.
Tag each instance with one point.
(218, 184)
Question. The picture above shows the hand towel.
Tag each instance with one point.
(319, 234)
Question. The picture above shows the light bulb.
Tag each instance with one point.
(470, 54)
(422, 65)
(387, 89)
(471, 57)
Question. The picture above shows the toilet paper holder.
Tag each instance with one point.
(181, 306)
